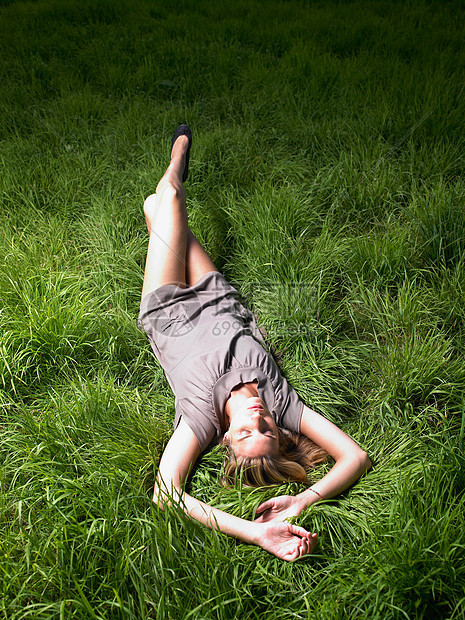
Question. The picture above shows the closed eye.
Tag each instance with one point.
(243, 434)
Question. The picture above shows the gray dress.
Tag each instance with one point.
(207, 343)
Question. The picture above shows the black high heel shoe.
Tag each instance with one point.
(184, 130)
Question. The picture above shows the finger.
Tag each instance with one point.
(265, 505)
(298, 531)
(299, 551)
(306, 547)
(312, 542)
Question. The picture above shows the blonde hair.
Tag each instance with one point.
(297, 454)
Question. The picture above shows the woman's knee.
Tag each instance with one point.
(149, 205)
(168, 193)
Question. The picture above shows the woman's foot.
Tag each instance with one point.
(171, 180)
(181, 146)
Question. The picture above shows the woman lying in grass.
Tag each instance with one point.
(226, 385)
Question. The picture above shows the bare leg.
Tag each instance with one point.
(174, 255)
(166, 218)
(198, 262)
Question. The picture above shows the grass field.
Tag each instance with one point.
(327, 182)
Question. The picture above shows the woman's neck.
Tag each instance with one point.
(243, 390)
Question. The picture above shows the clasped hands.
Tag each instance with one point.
(284, 540)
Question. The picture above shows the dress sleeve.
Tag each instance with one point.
(199, 422)
(288, 407)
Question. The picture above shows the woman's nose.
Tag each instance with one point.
(255, 419)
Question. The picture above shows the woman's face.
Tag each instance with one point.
(252, 429)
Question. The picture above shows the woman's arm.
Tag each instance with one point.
(351, 460)
(284, 540)
(350, 463)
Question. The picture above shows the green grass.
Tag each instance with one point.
(327, 182)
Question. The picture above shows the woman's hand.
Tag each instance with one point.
(279, 508)
(285, 541)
